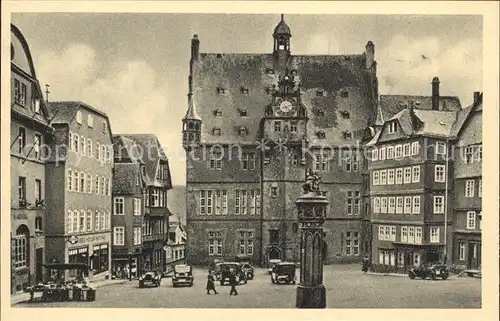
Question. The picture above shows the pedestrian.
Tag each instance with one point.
(366, 263)
(233, 283)
(211, 283)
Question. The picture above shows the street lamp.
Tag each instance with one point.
(311, 208)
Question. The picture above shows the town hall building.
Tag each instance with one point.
(254, 124)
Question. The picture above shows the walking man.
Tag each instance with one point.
(211, 283)
(233, 283)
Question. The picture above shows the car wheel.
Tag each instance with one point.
(444, 276)
(433, 276)
(411, 275)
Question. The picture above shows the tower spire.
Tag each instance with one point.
(282, 17)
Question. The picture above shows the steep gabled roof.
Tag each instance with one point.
(152, 153)
(429, 122)
(392, 104)
(63, 112)
(465, 114)
(125, 178)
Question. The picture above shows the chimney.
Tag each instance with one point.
(435, 93)
(476, 96)
(195, 47)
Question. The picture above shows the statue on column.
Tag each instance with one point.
(312, 182)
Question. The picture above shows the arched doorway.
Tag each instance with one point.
(274, 254)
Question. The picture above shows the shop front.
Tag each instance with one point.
(467, 251)
(91, 249)
(126, 266)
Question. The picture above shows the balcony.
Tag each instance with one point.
(152, 238)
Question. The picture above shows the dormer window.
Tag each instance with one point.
(321, 134)
(217, 131)
(344, 94)
(319, 93)
(345, 114)
(79, 117)
(393, 127)
(219, 55)
(243, 113)
(90, 121)
(243, 131)
(347, 135)
(221, 90)
(244, 90)
(218, 112)
(270, 71)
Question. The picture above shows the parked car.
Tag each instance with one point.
(271, 264)
(432, 271)
(227, 268)
(284, 272)
(183, 274)
(246, 265)
(150, 279)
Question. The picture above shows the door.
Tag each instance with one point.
(470, 255)
(274, 254)
(38, 265)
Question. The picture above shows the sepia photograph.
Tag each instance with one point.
(247, 160)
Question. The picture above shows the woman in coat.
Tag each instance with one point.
(211, 283)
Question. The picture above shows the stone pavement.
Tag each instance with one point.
(23, 297)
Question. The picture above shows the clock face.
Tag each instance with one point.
(286, 106)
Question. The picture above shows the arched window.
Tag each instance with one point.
(89, 183)
(97, 150)
(76, 221)
(38, 224)
(21, 247)
(69, 222)
(76, 180)
(89, 221)
(89, 148)
(70, 141)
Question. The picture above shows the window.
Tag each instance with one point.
(103, 153)
(38, 224)
(469, 188)
(349, 161)
(274, 191)
(352, 243)
(89, 220)
(353, 202)
(347, 135)
(390, 152)
(206, 202)
(79, 117)
(407, 177)
(407, 205)
(137, 236)
(22, 191)
(76, 143)
(119, 235)
(24, 95)
(416, 259)
(376, 178)
(411, 234)
(21, 247)
(469, 155)
(418, 235)
(415, 148)
(381, 153)
(221, 90)
(119, 206)
(321, 134)
(215, 242)
(155, 198)
(416, 204)
(439, 173)
(245, 240)
(438, 204)
(399, 205)
(248, 161)
(70, 180)
(399, 176)
(434, 234)
(38, 190)
(471, 220)
(374, 154)
(406, 150)
(392, 205)
(399, 151)
(440, 148)
(404, 234)
(461, 251)
(277, 126)
(76, 221)
(82, 182)
(393, 127)
(479, 153)
(21, 140)
(244, 90)
(243, 131)
(90, 120)
(383, 205)
(104, 127)
(376, 205)
(274, 236)
(36, 146)
(480, 188)
(383, 177)
(293, 126)
(137, 206)
(390, 176)
(82, 223)
(344, 94)
(216, 160)
(240, 202)
(415, 174)
(320, 162)
(70, 141)
(254, 202)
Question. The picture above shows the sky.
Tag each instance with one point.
(135, 66)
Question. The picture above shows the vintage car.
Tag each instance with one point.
(432, 271)
(284, 272)
(246, 265)
(150, 279)
(183, 274)
(214, 267)
(271, 264)
(227, 268)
